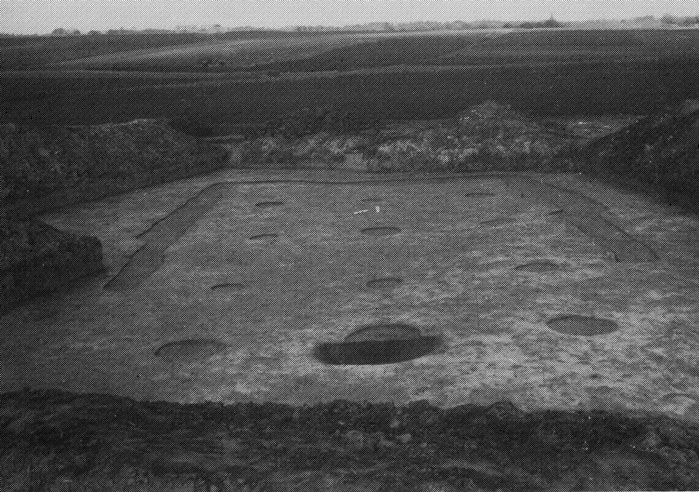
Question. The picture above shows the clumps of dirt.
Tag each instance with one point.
(489, 136)
(45, 168)
(51, 440)
(660, 151)
(36, 258)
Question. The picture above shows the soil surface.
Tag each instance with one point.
(57, 441)
(289, 295)
(271, 330)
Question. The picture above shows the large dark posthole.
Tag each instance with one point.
(574, 324)
(378, 344)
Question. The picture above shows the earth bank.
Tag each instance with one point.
(60, 441)
(44, 169)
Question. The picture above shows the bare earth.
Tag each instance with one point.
(461, 264)
(567, 297)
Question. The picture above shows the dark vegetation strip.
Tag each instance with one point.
(585, 214)
(100, 442)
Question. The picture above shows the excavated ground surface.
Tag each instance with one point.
(169, 250)
(158, 325)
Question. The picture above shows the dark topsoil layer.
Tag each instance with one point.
(50, 440)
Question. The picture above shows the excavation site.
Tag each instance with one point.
(489, 297)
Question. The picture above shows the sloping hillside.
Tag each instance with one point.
(660, 151)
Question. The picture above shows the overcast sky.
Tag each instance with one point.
(31, 16)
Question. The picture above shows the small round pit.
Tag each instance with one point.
(586, 326)
(264, 237)
(189, 351)
(378, 344)
(269, 204)
(384, 283)
(539, 266)
(381, 231)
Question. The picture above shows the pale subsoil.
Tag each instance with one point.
(308, 286)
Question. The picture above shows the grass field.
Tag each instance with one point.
(230, 81)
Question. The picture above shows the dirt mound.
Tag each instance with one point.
(42, 169)
(488, 136)
(661, 150)
(51, 440)
(36, 258)
(50, 167)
